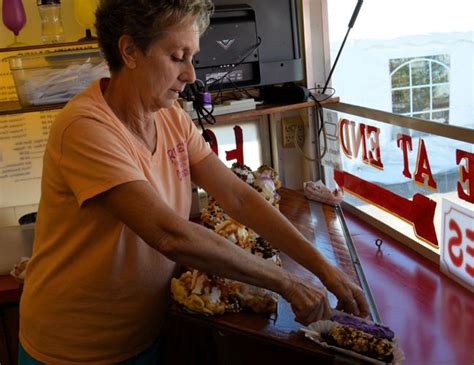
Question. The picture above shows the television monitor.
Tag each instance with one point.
(251, 43)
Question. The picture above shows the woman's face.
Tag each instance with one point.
(166, 68)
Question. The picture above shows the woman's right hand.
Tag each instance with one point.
(308, 301)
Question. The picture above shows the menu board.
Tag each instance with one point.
(23, 137)
(23, 140)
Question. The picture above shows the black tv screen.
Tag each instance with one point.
(251, 43)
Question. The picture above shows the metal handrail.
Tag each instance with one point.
(422, 125)
(364, 284)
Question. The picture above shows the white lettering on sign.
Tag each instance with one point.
(457, 246)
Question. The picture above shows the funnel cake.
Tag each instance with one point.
(361, 342)
(361, 338)
(210, 294)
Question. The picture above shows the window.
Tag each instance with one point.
(420, 87)
(422, 69)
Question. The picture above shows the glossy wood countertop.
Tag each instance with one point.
(431, 314)
(10, 289)
(321, 226)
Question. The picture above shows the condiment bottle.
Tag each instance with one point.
(52, 30)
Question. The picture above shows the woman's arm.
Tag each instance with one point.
(245, 205)
(140, 208)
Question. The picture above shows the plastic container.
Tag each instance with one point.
(52, 30)
(55, 77)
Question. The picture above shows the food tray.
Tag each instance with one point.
(314, 331)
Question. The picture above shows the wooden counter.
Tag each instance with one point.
(432, 315)
(10, 292)
(246, 338)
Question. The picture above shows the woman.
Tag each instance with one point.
(116, 195)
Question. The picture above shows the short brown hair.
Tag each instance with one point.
(144, 21)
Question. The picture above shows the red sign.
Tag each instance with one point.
(362, 141)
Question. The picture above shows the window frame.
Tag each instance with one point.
(411, 87)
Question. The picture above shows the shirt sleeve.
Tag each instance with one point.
(95, 158)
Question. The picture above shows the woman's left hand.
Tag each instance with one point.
(351, 298)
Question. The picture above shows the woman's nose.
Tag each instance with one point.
(189, 74)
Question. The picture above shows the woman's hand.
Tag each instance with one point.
(308, 301)
(351, 298)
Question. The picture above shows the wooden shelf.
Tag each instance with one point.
(14, 107)
(266, 109)
(35, 47)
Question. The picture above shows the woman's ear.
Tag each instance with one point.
(128, 51)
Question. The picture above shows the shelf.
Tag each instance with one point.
(36, 47)
(266, 109)
(14, 107)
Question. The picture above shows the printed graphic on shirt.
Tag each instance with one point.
(179, 158)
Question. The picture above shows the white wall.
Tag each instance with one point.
(362, 76)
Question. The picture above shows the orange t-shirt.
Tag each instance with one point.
(95, 292)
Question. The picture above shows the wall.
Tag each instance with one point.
(363, 75)
(17, 198)
(30, 35)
